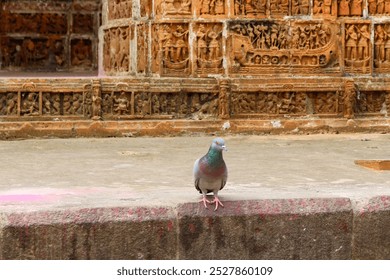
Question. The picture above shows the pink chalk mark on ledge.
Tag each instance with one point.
(25, 198)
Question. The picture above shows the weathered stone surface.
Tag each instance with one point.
(106, 233)
(269, 229)
(371, 238)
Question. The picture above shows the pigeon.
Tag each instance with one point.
(210, 172)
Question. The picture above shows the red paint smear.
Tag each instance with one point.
(25, 198)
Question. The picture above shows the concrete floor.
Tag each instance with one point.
(77, 173)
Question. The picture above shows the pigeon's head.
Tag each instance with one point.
(218, 144)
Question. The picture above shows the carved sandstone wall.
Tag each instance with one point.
(215, 59)
(42, 35)
(322, 52)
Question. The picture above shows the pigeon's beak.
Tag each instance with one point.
(224, 148)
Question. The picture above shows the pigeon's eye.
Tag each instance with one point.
(217, 143)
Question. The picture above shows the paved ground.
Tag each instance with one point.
(78, 173)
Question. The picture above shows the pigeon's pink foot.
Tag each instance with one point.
(205, 201)
(217, 202)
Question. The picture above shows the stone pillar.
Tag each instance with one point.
(349, 99)
(224, 99)
(96, 100)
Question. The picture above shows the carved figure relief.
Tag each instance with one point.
(121, 103)
(372, 103)
(300, 7)
(72, 104)
(173, 7)
(81, 52)
(357, 55)
(30, 53)
(142, 104)
(208, 48)
(203, 105)
(142, 48)
(170, 49)
(382, 47)
(29, 104)
(119, 9)
(83, 23)
(324, 7)
(325, 103)
(207, 8)
(378, 7)
(41, 35)
(9, 103)
(349, 100)
(264, 44)
(251, 8)
(117, 49)
(350, 7)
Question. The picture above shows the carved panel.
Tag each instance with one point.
(83, 23)
(117, 104)
(208, 48)
(350, 7)
(203, 105)
(142, 47)
(372, 102)
(81, 52)
(272, 46)
(170, 50)
(118, 9)
(378, 7)
(251, 8)
(325, 8)
(32, 53)
(211, 8)
(44, 23)
(325, 103)
(142, 104)
(42, 35)
(145, 8)
(173, 8)
(116, 49)
(9, 104)
(357, 53)
(382, 47)
(269, 103)
(300, 7)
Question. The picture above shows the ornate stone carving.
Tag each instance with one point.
(372, 103)
(378, 7)
(142, 47)
(357, 55)
(273, 46)
(116, 49)
(349, 100)
(325, 8)
(325, 103)
(170, 51)
(350, 7)
(211, 8)
(208, 48)
(120, 9)
(43, 35)
(9, 103)
(169, 8)
(81, 50)
(382, 47)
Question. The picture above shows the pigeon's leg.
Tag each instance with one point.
(204, 200)
(216, 201)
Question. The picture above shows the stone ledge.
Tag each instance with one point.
(123, 128)
(302, 228)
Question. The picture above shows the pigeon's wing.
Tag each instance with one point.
(196, 172)
(224, 178)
